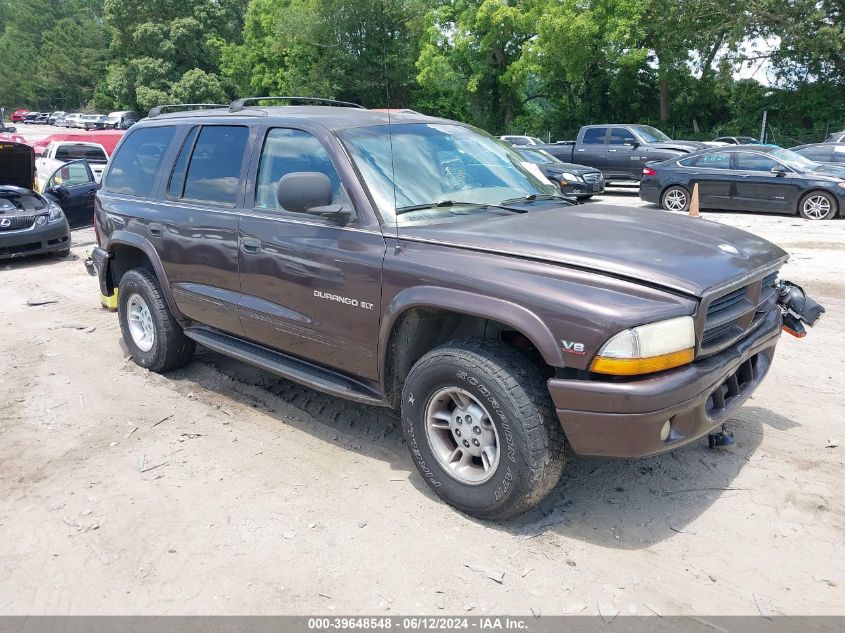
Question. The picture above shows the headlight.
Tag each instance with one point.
(841, 184)
(55, 213)
(568, 176)
(648, 348)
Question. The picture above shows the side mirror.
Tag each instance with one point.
(778, 170)
(61, 191)
(632, 143)
(309, 192)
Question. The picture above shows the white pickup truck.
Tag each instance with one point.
(59, 152)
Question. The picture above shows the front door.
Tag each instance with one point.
(758, 189)
(72, 187)
(624, 157)
(311, 286)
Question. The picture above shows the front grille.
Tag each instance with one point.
(734, 314)
(16, 222)
(592, 177)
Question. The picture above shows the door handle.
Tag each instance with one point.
(156, 229)
(250, 245)
(611, 150)
(744, 175)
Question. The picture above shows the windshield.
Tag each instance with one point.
(651, 134)
(793, 160)
(435, 162)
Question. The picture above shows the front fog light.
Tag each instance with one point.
(648, 348)
(664, 432)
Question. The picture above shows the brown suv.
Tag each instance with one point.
(420, 264)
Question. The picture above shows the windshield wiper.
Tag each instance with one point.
(531, 197)
(435, 205)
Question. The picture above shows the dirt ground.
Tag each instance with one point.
(220, 489)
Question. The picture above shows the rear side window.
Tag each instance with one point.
(718, 160)
(215, 168)
(135, 165)
(594, 136)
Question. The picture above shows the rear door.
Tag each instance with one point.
(72, 187)
(715, 177)
(311, 286)
(592, 148)
(758, 189)
(196, 230)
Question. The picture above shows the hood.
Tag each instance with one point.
(680, 146)
(675, 252)
(17, 165)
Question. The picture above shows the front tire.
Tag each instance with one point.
(818, 205)
(481, 428)
(675, 198)
(151, 334)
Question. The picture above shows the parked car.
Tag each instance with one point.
(747, 178)
(737, 140)
(833, 153)
(91, 121)
(521, 141)
(122, 119)
(56, 117)
(393, 261)
(18, 115)
(620, 151)
(836, 137)
(577, 181)
(58, 152)
(30, 223)
(71, 120)
(30, 117)
(42, 118)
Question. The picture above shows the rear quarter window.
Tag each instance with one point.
(137, 162)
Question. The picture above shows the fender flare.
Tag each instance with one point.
(128, 238)
(514, 315)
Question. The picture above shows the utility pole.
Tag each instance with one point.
(763, 127)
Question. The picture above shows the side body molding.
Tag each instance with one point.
(128, 238)
(514, 315)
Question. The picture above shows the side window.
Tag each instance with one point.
(215, 168)
(69, 175)
(621, 135)
(176, 186)
(287, 151)
(594, 136)
(692, 161)
(754, 162)
(135, 165)
(719, 160)
(817, 152)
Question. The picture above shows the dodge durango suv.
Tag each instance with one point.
(417, 263)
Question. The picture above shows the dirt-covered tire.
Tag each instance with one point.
(151, 334)
(63, 253)
(493, 395)
(675, 198)
(818, 205)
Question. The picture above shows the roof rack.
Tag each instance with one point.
(176, 107)
(240, 104)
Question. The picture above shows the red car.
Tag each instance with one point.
(18, 115)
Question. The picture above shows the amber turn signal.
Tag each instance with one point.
(635, 366)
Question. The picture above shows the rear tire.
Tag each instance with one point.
(151, 334)
(481, 428)
(818, 205)
(675, 198)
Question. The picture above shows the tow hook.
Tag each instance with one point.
(722, 438)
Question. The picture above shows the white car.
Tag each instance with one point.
(521, 141)
(89, 121)
(58, 153)
(71, 119)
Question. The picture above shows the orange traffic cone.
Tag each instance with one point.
(693, 205)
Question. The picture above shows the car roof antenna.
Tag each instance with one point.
(397, 246)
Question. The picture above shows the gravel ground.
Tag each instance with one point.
(220, 489)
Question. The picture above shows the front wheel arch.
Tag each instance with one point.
(832, 199)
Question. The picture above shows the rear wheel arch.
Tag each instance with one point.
(419, 320)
